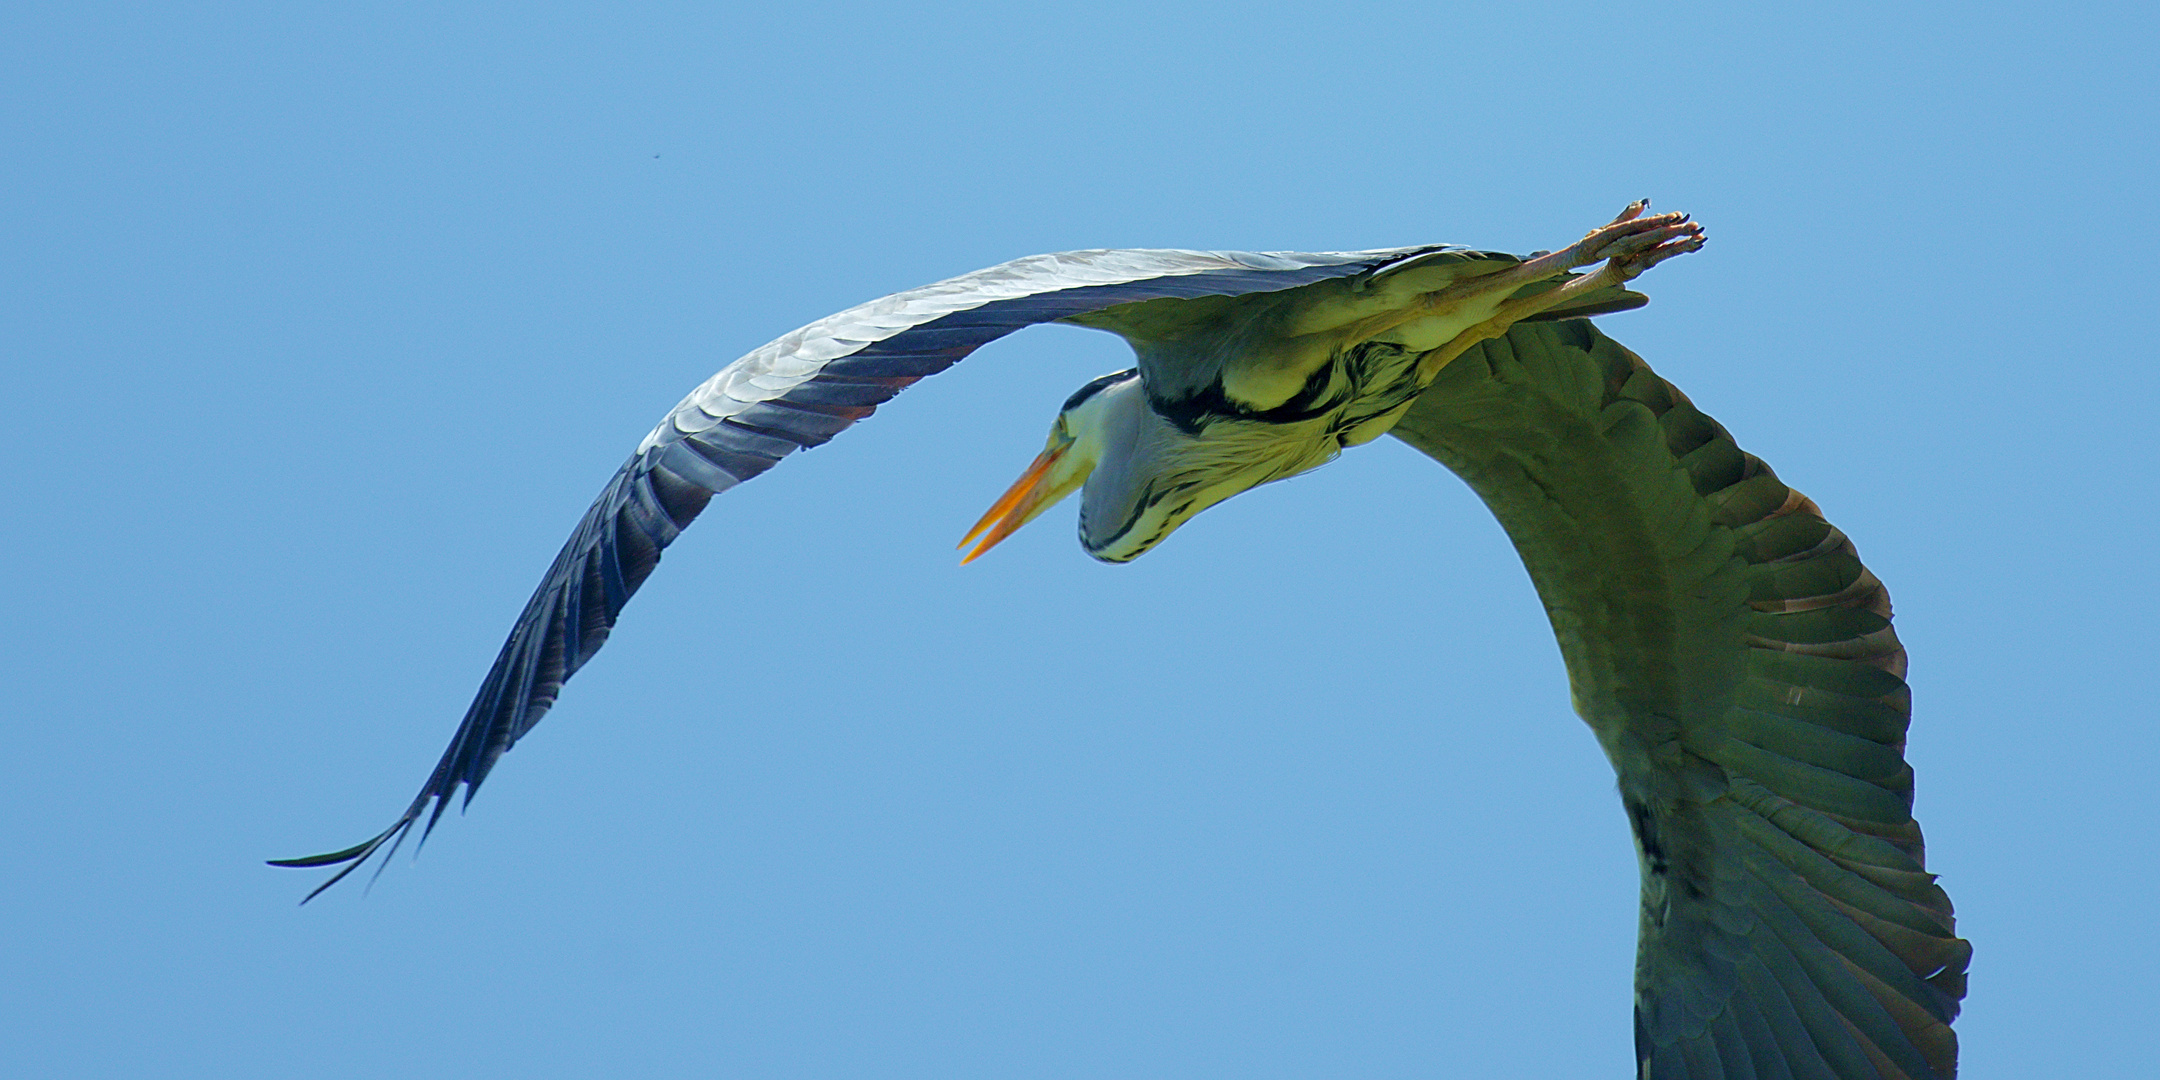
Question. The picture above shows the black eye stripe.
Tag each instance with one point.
(1093, 388)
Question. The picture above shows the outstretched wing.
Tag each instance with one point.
(1737, 663)
(796, 392)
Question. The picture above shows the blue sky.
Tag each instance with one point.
(320, 326)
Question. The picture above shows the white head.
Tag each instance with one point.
(1142, 476)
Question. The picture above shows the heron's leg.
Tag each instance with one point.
(1630, 232)
(1628, 235)
(1626, 252)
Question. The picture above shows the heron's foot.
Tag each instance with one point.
(1635, 242)
(1629, 245)
(1632, 253)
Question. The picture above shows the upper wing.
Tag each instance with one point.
(1190, 350)
(1184, 344)
(798, 391)
(1737, 663)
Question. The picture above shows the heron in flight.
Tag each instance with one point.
(1733, 657)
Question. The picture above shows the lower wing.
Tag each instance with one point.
(1737, 663)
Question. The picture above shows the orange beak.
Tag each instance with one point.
(1019, 505)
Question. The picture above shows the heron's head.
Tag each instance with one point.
(1140, 475)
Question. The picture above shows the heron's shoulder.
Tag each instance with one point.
(1386, 277)
(1189, 346)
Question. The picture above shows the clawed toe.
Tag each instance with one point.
(1637, 243)
(1630, 265)
(1634, 243)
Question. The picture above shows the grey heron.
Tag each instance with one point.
(1724, 643)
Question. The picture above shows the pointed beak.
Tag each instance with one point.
(1030, 495)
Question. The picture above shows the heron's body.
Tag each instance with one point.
(1724, 643)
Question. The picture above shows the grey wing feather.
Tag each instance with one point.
(798, 391)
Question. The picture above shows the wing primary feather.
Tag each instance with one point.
(1793, 1046)
(1754, 1035)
